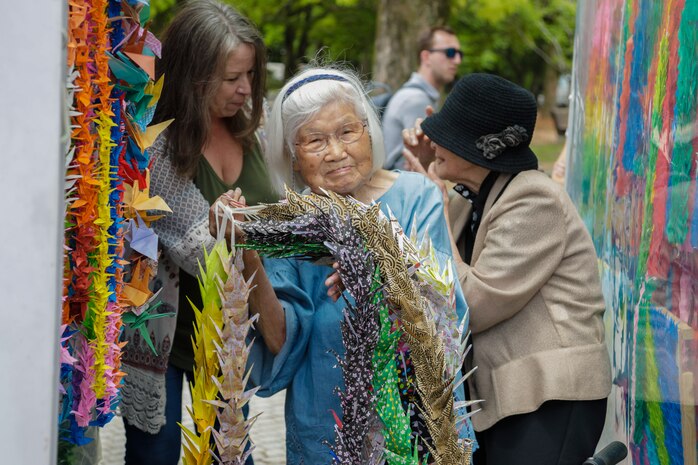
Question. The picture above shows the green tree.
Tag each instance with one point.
(161, 12)
(529, 42)
(296, 31)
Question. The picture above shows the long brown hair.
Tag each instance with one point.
(195, 47)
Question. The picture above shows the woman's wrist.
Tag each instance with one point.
(251, 259)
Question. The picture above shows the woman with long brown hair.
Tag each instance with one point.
(213, 62)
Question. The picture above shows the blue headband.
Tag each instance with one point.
(316, 77)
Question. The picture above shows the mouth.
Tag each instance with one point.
(339, 171)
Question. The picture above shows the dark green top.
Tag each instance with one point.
(256, 187)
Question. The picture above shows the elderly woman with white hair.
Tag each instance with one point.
(323, 135)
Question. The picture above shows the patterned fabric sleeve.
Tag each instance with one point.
(184, 233)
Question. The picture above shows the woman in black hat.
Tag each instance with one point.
(528, 270)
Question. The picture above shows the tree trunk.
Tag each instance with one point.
(549, 89)
(306, 19)
(290, 55)
(398, 27)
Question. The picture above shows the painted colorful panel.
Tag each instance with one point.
(632, 173)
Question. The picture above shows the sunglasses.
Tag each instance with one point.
(450, 52)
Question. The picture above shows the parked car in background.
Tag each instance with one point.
(560, 109)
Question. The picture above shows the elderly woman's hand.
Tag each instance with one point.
(412, 163)
(430, 172)
(334, 284)
(232, 198)
(419, 144)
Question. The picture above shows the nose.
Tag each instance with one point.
(457, 59)
(335, 149)
(245, 87)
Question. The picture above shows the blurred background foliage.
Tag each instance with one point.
(527, 41)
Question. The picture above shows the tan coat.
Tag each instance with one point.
(536, 307)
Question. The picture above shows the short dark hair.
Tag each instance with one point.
(426, 38)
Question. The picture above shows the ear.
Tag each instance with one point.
(424, 56)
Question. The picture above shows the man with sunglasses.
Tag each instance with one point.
(439, 57)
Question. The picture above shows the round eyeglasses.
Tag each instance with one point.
(315, 142)
(450, 52)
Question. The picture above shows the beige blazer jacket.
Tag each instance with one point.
(536, 307)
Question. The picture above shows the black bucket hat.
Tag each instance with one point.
(488, 121)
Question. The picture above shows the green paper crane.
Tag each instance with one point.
(138, 322)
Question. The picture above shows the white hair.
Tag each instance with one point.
(293, 110)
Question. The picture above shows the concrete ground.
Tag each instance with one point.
(268, 433)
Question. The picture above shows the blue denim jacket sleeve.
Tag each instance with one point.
(270, 372)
